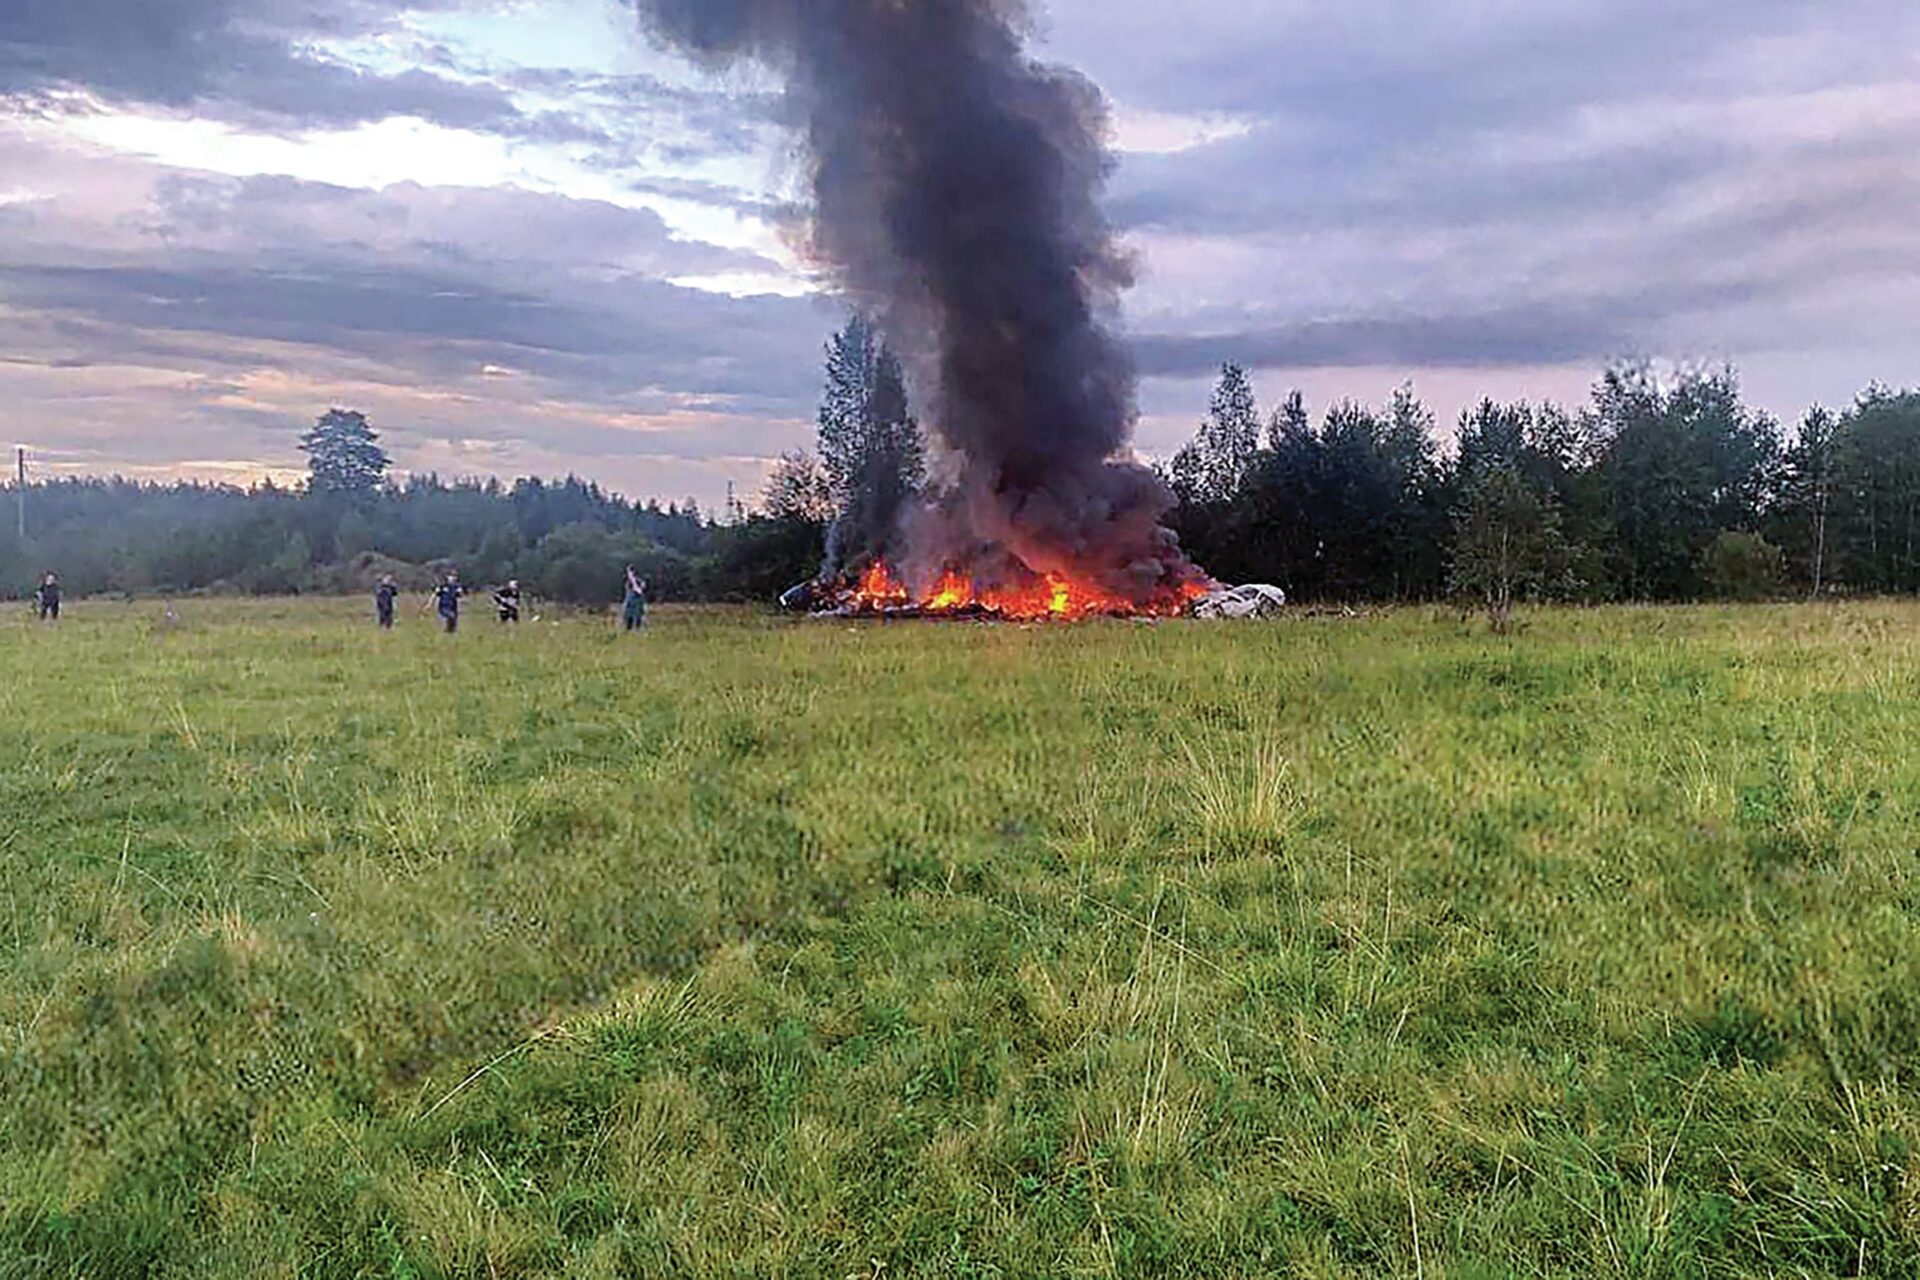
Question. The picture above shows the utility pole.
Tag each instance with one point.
(20, 464)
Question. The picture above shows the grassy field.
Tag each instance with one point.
(751, 948)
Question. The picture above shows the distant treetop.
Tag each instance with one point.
(344, 455)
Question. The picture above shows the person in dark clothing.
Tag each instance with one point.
(383, 597)
(507, 600)
(446, 597)
(47, 597)
(633, 611)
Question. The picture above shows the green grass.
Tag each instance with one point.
(747, 948)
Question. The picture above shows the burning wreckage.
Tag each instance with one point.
(879, 594)
(955, 201)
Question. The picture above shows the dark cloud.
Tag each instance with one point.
(696, 191)
(1383, 73)
(603, 345)
(1256, 185)
(1746, 268)
(497, 232)
(247, 59)
(1547, 335)
(264, 65)
(642, 125)
(1486, 183)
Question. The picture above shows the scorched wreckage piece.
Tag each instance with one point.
(955, 186)
(1254, 600)
(878, 593)
(955, 595)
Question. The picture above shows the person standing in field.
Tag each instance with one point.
(446, 597)
(47, 597)
(633, 612)
(384, 596)
(507, 600)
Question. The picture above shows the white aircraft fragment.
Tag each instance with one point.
(1254, 600)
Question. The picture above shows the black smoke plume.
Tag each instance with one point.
(955, 185)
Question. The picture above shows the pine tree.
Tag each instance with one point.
(1807, 492)
(1186, 475)
(1679, 464)
(846, 405)
(897, 445)
(870, 445)
(1417, 528)
(344, 455)
(1228, 439)
(1290, 423)
(1877, 508)
(1353, 502)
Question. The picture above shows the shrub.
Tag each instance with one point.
(1742, 566)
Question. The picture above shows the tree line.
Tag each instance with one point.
(1657, 489)
(566, 540)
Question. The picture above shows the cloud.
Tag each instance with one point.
(293, 67)
(1486, 194)
(539, 276)
(1490, 183)
(258, 60)
(1543, 336)
(223, 311)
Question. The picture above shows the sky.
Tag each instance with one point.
(526, 242)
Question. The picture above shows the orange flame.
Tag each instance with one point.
(1049, 596)
(950, 593)
(879, 589)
